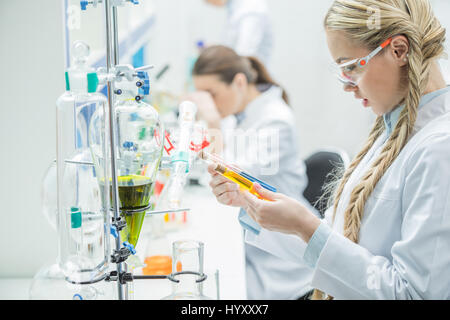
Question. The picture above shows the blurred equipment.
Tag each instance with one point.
(109, 153)
(321, 167)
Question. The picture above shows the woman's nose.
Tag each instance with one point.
(350, 88)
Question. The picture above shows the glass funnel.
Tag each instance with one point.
(138, 137)
(187, 255)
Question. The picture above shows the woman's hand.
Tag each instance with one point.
(207, 109)
(226, 191)
(280, 213)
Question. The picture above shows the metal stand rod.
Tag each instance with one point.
(115, 36)
(110, 54)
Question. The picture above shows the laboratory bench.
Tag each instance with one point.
(208, 221)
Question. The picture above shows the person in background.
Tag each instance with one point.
(230, 84)
(248, 30)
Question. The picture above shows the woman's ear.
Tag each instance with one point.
(400, 48)
(240, 81)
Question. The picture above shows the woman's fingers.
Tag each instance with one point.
(211, 170)
(218, 180)
(228, 198)
(264, 193)
(225, 187)
(251, 201)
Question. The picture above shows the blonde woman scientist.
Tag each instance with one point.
(233, 85)
(387, 235)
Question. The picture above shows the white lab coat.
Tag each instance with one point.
(268, 276)
(248, 30)
(404, 247)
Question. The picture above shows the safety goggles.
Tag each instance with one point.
(350, 73)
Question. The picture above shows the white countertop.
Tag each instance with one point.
(208, 221)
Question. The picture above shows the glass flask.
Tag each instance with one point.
(138, 137)
(50, 283)
(49, 193)
(187, 284)
(83, 223)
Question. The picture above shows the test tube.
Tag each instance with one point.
(234, 173)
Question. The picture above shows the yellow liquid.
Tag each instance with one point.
(241, 181)
(134, 193)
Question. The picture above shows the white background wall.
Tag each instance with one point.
(32, 65)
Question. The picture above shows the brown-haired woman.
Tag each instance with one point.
(264, 143)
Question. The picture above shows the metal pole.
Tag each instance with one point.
(115, 36)
(110, 53)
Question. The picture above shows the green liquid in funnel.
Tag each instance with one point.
(134, 193)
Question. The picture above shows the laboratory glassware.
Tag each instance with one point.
(187, 284)
(83, 223)
(139, 137)
(50, 283)
(243, 179)
(49, 193)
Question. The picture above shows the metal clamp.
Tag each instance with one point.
(123, 277)
(120, 255)
(202, 276)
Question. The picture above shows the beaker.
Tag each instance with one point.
(187, 284)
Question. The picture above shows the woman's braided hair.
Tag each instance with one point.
(415, 20)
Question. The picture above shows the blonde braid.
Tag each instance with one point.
(415, 20)
(373, 136)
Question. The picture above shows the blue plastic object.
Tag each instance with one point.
(134, 1)
(129, 246)
(200, 44)
(134, 116)
(84, 4)
(113, 231)
(129, 146)
(144, 90)
(262, 183)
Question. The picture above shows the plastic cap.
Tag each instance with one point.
(75, 217)
(84, 4)
(129, 246)
(92, 82)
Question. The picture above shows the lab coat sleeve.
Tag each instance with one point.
(250, 35)
(420, 263)
(287, 247)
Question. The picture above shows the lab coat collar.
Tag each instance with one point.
(254, 108)
(425, 111)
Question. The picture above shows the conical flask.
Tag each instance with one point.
(138, 136)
